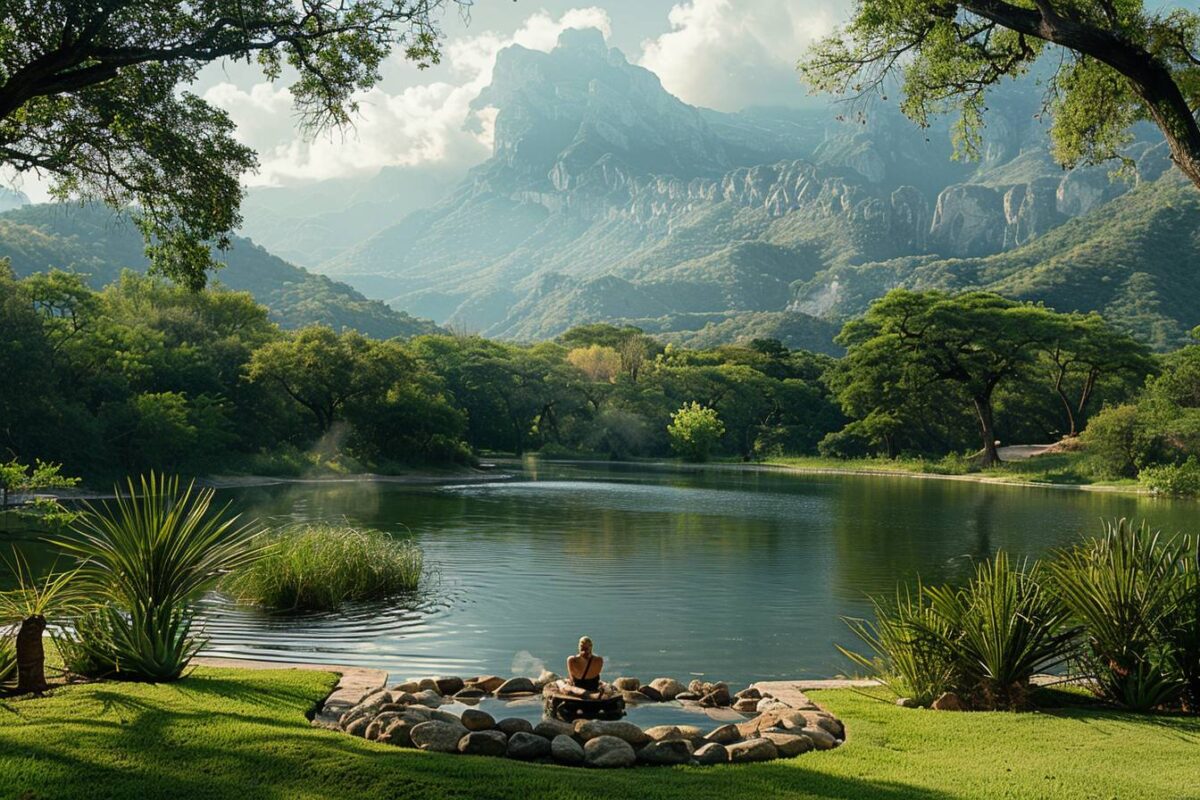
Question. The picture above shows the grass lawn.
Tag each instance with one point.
(242, 734)
(1063, 469)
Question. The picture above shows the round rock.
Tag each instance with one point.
(483, 743)
(627, 684)
(398, 734)
(552, 728)
(789, 745)
(526, 746)
(448, 684)
(511, 725)
(668, 751)
(609, 751)
(566, 750)
(475, 720)
(711, 753)
(516, 686)
(726, 734)
(589, 729)
(668, 687)
(438, 737)
(752, 750)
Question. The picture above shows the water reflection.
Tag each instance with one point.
(731, 574)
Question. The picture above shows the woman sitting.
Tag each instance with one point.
(584, 667)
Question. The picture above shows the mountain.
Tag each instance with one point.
(1134, 259)
(310, 223)
(607, 198)
(99, 243)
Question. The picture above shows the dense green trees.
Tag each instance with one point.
(144, 374)
(917, 360)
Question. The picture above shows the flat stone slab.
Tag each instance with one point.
(354, 683)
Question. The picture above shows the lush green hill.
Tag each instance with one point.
(1135, 259)
(99, 243)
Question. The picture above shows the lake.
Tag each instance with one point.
(722, 572)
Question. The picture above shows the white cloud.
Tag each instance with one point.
(727, 55)
(419, 124)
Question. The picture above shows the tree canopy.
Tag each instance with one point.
(90, 95)
(1117, 62)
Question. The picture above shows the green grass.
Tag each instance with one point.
(242, 734)
(320, 566)
(1057, 469)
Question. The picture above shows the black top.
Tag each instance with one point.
(590, 684)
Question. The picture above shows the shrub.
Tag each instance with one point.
(984, 640)
(904, 657)
(694, 430)
(1000, 629)
(1136, 596)
(8, 662)
(1116, 442)
(1177, 479)
(320, 567)
(145, 558)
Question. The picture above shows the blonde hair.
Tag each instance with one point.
(585, 644)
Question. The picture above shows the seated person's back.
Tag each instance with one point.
(585, 666)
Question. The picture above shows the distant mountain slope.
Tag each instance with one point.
(95, 241)
(606, 199)
(1135, 259)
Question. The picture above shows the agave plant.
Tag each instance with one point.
(25, 609)
(1002, 628)
(145, 557)
(904, 656)
(1129, 589)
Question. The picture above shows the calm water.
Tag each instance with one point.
(717, 572)
(729, 574)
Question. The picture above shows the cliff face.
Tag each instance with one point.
(606, 197)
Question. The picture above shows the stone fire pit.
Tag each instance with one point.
(777, 721)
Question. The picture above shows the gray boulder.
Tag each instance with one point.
(438, 737)
(526, 746)
(398, 734)
(667, 751)
(609, 751)
(483, 743)
(511, 725)
(821, 738)
(566, 750)
(551, 728)
(589, 729)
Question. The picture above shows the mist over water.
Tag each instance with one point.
(724, 573)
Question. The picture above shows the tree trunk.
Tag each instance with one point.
(1066, 401)
(31, 656)
(983, 409)
(1150, 79)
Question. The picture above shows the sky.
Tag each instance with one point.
(723, 54)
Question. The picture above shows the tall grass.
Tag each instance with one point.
(318, 567)
(144, 559)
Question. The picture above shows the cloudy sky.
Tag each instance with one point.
(724, 54)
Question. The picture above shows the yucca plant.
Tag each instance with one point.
(145, 557)
(903, 655)
(1182, 627)
(1129, 591)
(1002, 628)
(24, 611)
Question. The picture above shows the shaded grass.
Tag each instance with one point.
(318, 567)
(228, 733)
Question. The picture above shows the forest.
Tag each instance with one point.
(144, 374)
